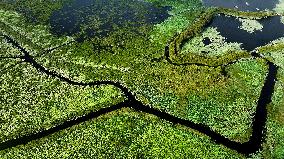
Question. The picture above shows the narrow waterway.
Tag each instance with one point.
(253, 145)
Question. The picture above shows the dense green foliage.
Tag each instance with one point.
(31, 101)
(274, 52)
(163, 85)
(273, 145)
(6, 49)
(123, 134)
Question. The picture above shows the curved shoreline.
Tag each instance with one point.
(251, 146)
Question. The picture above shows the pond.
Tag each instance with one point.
(99, 17)
(229, 27)
(243, 5)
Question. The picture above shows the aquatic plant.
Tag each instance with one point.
(273, 145)
(35, 38)
(250, 25)
(35, 11)
(31, 101)
(279, 8)
(123, 134)
(248, 15)
(282, 19)
(274, 51)
(217, 45)
(7, 49)
(182, 15)
(224, 102)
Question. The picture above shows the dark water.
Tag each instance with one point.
(206, 41)
(242, 5)
(228, 27)
(99, 17)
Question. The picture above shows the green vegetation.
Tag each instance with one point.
(183, 15)
(123, 134)
(273, 145)
(183, 51)
(218, 46)
(35, 11)
(250, 25)
(280, 7)
(33, 37)
(6, 49)
(274, 52)
(161, 84)
(227, 53)
(191, 31)
(30, 101)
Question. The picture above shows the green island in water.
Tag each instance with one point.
(142, 79)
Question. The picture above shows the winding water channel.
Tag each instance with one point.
(68, 21)
(246, 148)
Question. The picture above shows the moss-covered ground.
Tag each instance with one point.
(31, 101)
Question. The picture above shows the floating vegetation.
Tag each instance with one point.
(98, 18)
(247, 15)
(119, 134)
(243, 5)
(31, 101)
(273, 145)
(279, 8)
(229, 27)
(274, 51)
(182, 15)
(282, 19)
(179, 60)
(250, 25)
(35, 11)
(34, 37)
(216, 47)
(7, 50)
